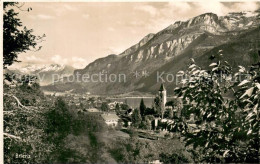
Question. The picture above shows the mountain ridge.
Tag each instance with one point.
(44, 72)
(196, 37)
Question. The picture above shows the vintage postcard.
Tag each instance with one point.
(153, 82)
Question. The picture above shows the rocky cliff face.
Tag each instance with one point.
(170, 49)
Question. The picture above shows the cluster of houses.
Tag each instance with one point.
(111, 118)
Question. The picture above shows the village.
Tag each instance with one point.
(151, 117)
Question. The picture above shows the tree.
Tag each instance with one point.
(147, 122)
(169, 113)
(173, 158)
(104, 107)
(124, 107)
(24, 125)
(59, 121)
(142, 107)
(157, 104)
(59, 125)
(248, 98)
(149, 111)
(202, 96)
(224, 130)
(117, 108)
(172, 103)
(16, 37)
(136, 118)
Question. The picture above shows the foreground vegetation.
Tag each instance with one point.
(47, 131)
(224, 130)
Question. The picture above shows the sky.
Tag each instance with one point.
(79, 33)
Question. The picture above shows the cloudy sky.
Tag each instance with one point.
(79, 33)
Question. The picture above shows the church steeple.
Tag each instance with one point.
(163, 98)
(162, 88)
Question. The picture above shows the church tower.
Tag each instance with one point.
(163, 95)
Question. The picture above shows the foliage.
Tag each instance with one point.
(124, 107)
(43, 129)
(131, 151)
(24, 125)
(66, 129)
(173, 158)
(224, 130)
(17, 38)
(91, 101)
(142, 107)
(157, 105)
(117, 108)
(58, 127)
(104, 107)
(24, 103)
(248, 99)
(86, 144)
(168, 113)
(172, 103)
(147, 122)
(59, 121)
(149, 111)
(133, 133)
(136, 118)
(134, 150)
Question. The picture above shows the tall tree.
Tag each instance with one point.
(117, 108)
(59, 125)
(142, 107)
(158, 106)
(16, 37)
(136, 118)
(59, 120)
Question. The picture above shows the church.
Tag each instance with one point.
(160, 101)
(163, 96)
(165, 104)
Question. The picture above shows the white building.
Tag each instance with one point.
(92, 110)
(155, 162)
(110, 119)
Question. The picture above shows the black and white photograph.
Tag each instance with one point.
(130, 82)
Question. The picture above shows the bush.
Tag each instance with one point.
(173, 158)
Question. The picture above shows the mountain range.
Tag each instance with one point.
(169, 51)
(44, 72)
